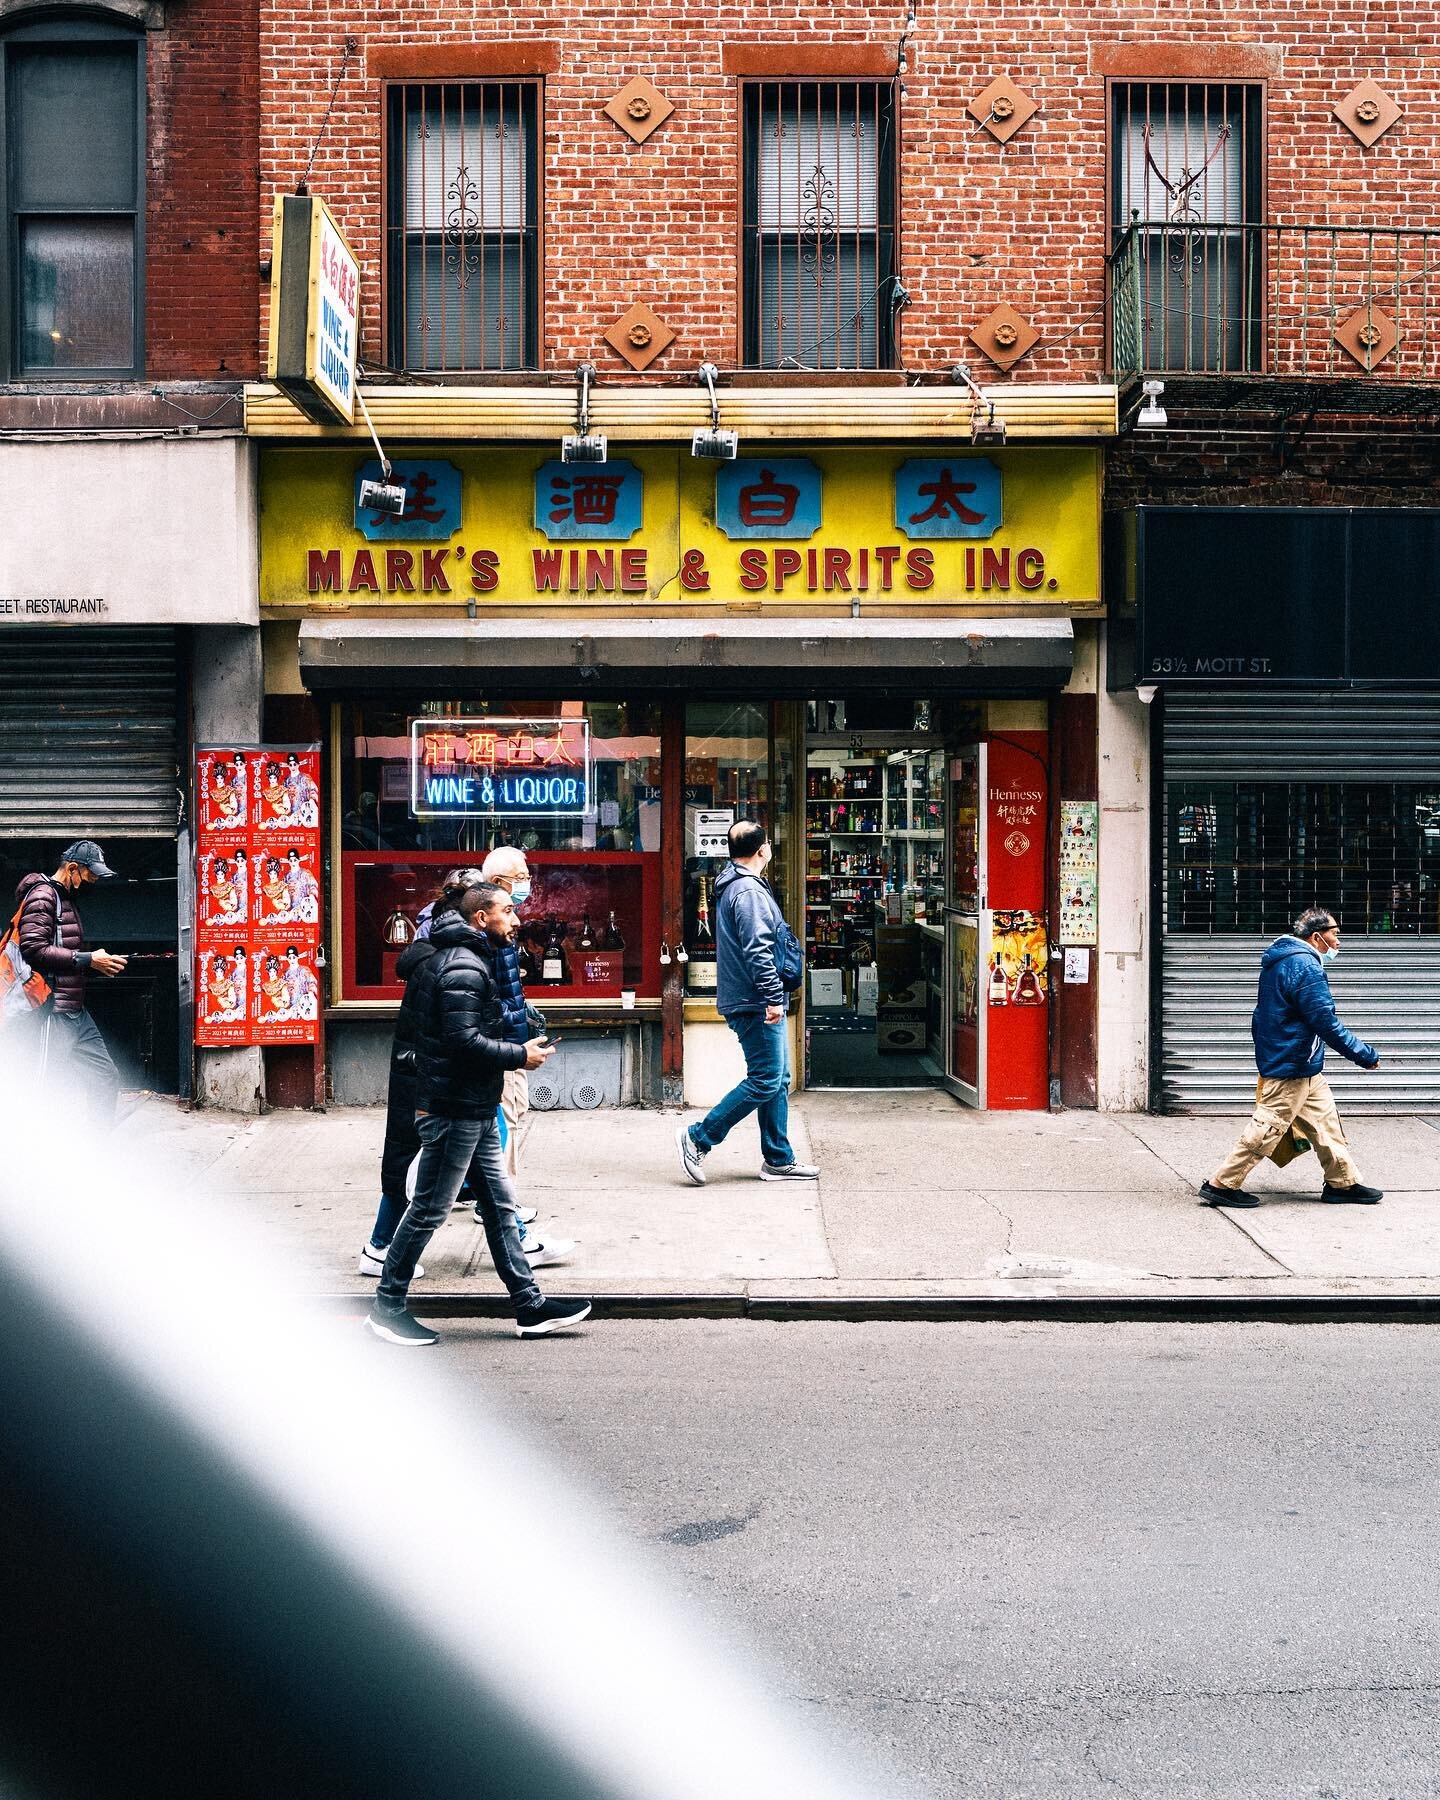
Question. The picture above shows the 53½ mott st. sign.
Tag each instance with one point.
(911, 526)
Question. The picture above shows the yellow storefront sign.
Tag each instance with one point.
(917, 526)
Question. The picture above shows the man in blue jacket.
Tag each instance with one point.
(752, 946)
(1294, 1020)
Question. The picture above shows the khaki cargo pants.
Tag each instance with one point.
(1306, 1102)
(514, 1103)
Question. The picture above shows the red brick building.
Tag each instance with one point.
(836, 207)
(129, 287)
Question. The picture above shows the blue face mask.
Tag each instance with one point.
(520, 892)
(1328, 955)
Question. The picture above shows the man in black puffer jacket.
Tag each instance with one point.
(402, 1140)
(461, 1057)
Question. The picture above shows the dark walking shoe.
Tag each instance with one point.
(1216, 1196)
(400, 1328)
(1358, 1195)
(551, 1315)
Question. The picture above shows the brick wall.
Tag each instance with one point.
(981, 223)
(202, 216)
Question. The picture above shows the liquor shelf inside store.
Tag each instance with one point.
(873, 908)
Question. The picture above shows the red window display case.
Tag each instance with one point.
(384, 892)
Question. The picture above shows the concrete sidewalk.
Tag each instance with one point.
(919, 1201)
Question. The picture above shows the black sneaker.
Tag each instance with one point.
(1358, 1195)
(551, 1315)
(1217, 1196)
(400, 1328)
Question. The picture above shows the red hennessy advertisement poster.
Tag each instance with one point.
(1017, 805)
(258, 894)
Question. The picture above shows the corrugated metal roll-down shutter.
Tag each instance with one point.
(1386, 984)
(88, 735)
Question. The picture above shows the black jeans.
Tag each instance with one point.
(451, 1150)
(78, 1059)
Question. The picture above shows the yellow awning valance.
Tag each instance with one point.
(413, 413)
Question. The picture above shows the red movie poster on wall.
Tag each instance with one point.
(258, 894)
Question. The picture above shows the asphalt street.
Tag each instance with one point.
(1037, 1559)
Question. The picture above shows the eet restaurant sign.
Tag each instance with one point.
(515, 528)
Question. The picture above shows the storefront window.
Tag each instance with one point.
(1250, 857)
(592, 921)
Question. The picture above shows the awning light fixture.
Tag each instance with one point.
(712, 443)
(985, 428)
(1152, 416)
(584, 446)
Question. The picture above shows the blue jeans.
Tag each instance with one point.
(765, 1090)
(450, 1151)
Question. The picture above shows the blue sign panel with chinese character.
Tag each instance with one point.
(768, 497)
(432, 502)
(491, 767)
(589, 501)
(948, 497)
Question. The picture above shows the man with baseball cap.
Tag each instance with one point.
(52, 941)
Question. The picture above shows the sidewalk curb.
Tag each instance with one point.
(1084, 1309)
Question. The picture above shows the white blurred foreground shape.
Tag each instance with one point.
(250, 1552)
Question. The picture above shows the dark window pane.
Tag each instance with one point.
(77, 293)
(74, 125)
(462, 210)
(819, 224)
(464, 304)
(819, 303)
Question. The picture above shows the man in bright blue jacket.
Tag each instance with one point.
(752, 945)
(1294, 1020)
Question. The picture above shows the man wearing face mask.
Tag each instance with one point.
(507, 868)
(1294, 1020)
(759, 964)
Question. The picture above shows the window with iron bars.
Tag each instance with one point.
(1186, 167)
(818, 226)
(463, 226)
(1251, 856)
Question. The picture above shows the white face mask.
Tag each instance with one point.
(520, 892)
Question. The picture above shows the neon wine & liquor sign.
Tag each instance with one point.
(494, 768)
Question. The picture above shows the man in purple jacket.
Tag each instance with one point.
(52, 941)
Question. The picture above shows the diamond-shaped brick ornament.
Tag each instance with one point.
(1367, 111)
(639, 108)
(1002, 108)
(639, 336)
(1004, 336)
(1367, 334)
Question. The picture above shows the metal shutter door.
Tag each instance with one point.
(88, 732)
(1387, 987)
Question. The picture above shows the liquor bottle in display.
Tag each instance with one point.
(1028, 991)
(586, 940)
(999, 987)
(701, 974)
(555, 965)
(612, 939)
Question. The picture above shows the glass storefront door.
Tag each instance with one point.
(874, 910)
(965, 926)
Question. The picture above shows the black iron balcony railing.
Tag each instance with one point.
(1298, 302)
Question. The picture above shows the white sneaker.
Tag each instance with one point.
(692, 1157)
(529, 1214)
(372, 1264)
(796, 1171)
(553, 1250)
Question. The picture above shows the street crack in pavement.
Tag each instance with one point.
(1230, 1219)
